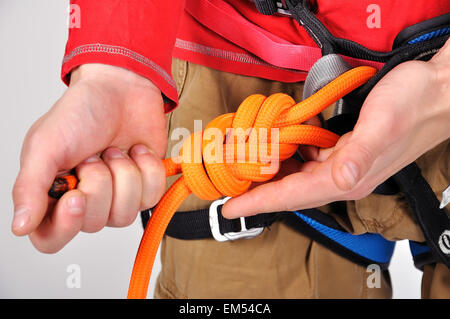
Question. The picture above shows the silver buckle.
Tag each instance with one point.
(282, 9)
(445, 198)
(215, 230)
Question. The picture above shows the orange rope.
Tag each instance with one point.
(210, 178)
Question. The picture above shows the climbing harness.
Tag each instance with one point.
(417, 42)
(329, 81)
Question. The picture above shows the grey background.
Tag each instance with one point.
(32, 36)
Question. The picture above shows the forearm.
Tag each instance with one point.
(135, 35)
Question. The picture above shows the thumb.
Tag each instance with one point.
(30, 191)
(47, 150)
(353, 160)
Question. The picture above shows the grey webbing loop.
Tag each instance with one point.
(325, 70)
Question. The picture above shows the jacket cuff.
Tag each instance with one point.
(136, 35)
(125, 58)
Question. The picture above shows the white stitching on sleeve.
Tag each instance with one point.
(112, 49)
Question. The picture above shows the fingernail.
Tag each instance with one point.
(141, 150)
(75, 205)
(114, 153)
(350, 173)
(92, 159)
(21, 217)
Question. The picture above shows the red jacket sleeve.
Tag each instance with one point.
(138, 35)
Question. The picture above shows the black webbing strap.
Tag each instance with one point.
(326, 41)
(420, 51)
(433, 221)
(196, 225)
(421, 254)
(266, 7)
(419, 29)
(330, 44)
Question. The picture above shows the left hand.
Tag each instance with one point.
(405, 115)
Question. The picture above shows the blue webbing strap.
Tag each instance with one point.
(364, 249)
(430, 35)
(371, 246)
(421, 254)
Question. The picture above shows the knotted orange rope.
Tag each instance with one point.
(210, 179)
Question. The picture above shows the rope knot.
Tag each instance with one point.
(210, 180)
(236, 149)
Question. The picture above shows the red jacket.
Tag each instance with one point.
(143, 35)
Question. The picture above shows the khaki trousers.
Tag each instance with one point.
(281, 262)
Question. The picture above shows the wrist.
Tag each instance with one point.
(441, 66)
(112, 76)
(443, 88)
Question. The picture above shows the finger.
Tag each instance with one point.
(95, 181)
(306, 189)
(152, 172)
(356, 154)
(326, 153)
(308, 167)
(309, 152)
(288, 167)
(62, 223)
(127, 188)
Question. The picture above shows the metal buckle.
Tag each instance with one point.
(282, 9)
(215, 229)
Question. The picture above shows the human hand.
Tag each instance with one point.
(405, 115)
(107, 110)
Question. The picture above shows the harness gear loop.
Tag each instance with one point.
(211, 179)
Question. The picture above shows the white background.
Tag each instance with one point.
(32, 36)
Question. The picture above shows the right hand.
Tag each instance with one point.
(107, 110)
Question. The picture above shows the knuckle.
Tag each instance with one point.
(96, 215)
(19, 188)
(149, 163)
(122, 220)
(101, 176)
(45, 247)
(152, 192)
(33, 140)
(93, 225)
(365, 153)
(92, 171)
(153, 184)
(32, 137)
(126, 168)
(357, 193)
(149, 202)
(395, 128)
